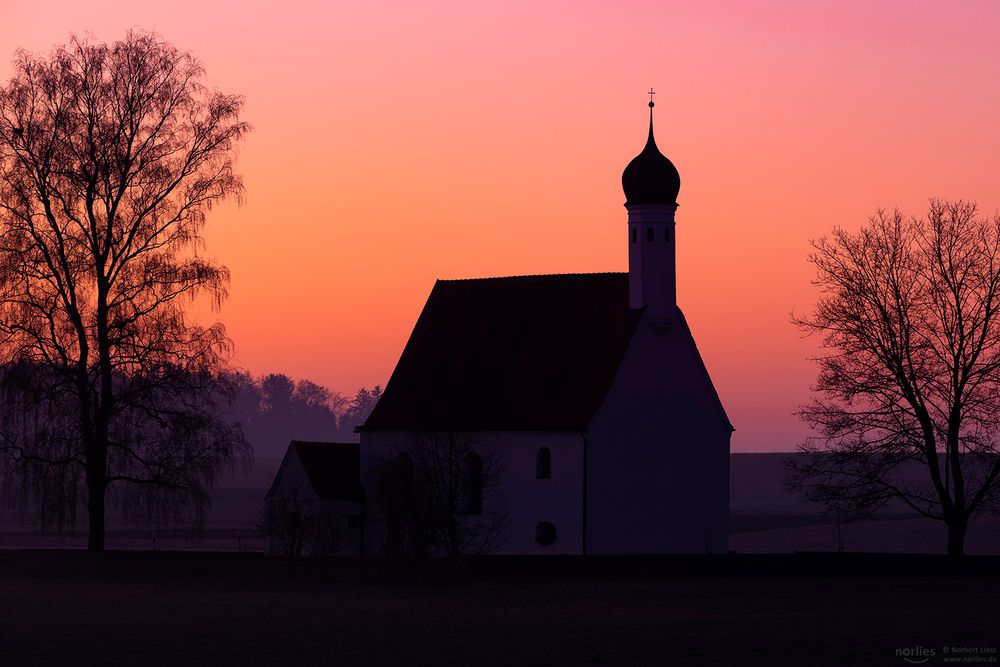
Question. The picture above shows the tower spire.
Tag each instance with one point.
(650, 140)
(651, 178)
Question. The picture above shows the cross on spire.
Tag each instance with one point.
(651, 93)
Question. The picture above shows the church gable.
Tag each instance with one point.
(658, 451)
(519, 353)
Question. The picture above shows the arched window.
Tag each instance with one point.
(473, 473)
(543, 463)
(649, 233)
(666, 234)
(634, 234)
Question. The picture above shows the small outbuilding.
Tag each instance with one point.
(315, 504)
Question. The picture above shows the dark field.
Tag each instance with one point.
(64, 607)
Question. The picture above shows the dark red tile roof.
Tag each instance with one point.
(333, 468)
(520, 353)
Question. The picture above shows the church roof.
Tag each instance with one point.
(518, 353)
(332, 468)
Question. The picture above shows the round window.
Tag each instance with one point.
(545, 533)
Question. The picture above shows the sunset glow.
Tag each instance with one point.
(396, 143)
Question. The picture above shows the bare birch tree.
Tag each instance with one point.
(110, 157)
(909, 313)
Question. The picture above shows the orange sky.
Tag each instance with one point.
(400, 142)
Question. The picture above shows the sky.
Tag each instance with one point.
(398, 142)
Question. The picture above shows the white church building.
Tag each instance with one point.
(613, 437)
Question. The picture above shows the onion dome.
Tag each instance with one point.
(650, 178)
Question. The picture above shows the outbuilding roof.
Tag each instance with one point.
(333, 468)
(514, 353)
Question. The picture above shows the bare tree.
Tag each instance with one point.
(403, 518)
(442, 494)
(296, 522)
(911, 382)
(283, 519)
(110, 157)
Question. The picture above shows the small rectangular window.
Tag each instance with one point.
(649, 233)
(666, 234)
(633, 235)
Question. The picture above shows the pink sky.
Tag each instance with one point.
(396, 143)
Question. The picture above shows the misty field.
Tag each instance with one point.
(122, 608)
(764, 518)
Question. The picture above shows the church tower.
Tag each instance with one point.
(651, 184)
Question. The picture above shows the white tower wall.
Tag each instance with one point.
(652, 263)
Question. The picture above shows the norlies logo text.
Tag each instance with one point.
(916, 655)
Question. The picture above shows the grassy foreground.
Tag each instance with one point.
(124, 608)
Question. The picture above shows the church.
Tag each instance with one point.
(581, 399)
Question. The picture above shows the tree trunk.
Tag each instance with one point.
(98, 480)
(957, 527)
(95, 506)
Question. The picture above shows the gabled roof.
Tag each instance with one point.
(519, 353)
(333, 468)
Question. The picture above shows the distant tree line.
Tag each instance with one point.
(274, 409)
